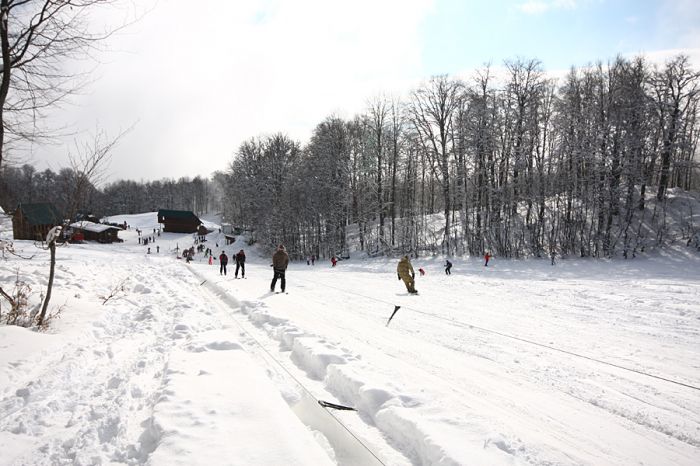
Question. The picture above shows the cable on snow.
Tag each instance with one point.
(322, 403)
(505, 335)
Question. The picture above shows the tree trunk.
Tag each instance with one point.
(52, 248)
(6, 70)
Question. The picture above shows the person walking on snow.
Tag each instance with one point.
(406, 273)
(280, 260)
(240, 263)
(333, 261)
(223, 260)
(448, 267)
(487, 256)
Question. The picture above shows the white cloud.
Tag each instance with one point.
(534, 7)
(680, 19)
(201, 77)
(660, 57)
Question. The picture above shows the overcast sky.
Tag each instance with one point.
(199, 77)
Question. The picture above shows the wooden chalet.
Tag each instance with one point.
(203, 231)
(179, 221)
(33, 221)
(99, 232)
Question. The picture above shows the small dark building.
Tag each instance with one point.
(33, 221)
(96, 232)
(178, 221)
(203, 231)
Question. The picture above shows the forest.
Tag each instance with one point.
(509, 160)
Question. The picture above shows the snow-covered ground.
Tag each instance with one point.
(517, 363)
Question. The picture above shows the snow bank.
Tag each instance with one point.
(217, 406)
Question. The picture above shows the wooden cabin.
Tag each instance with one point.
(178, 221)
(96, 232)
(33, 221)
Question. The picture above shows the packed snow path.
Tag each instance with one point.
(444, 393)
(157, 378)
(177, 371)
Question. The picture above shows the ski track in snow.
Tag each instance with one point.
(428, 389)
(632, 404)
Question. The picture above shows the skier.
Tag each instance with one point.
(421, 271)
(240, 263)
(333, 261)
(211, 260)
(313, 259)
(448, 267)
(406, 273)
(158, 249)
(223, 260)
(280, 260)
(487, 256)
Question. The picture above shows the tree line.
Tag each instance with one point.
(26, 184)
(514, 163)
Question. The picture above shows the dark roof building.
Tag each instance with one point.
(178, 221)
(33, 221)
(97, 232)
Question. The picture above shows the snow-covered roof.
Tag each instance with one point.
(93, 227)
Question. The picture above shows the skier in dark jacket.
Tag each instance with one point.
(280, 260)
(240, 263)
(448, 267)
(223, 260)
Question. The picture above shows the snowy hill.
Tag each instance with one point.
(154, 361)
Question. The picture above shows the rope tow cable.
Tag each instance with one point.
(505, 335)
(224, 296)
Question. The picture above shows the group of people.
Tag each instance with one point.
(280, 262)
(405, 271)
(240, 263)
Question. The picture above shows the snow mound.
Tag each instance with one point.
(219, 406)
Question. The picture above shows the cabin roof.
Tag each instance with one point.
(40, 213)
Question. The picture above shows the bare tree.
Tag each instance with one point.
(37, 38)
(680, 90)
(378, 115)
(432, 111)
(89, 165)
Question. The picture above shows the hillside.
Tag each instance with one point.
(588, 362)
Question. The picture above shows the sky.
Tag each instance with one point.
(193, 80)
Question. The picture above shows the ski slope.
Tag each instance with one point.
(517, 363)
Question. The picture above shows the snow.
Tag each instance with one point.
(185, 366)
(91, 226)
